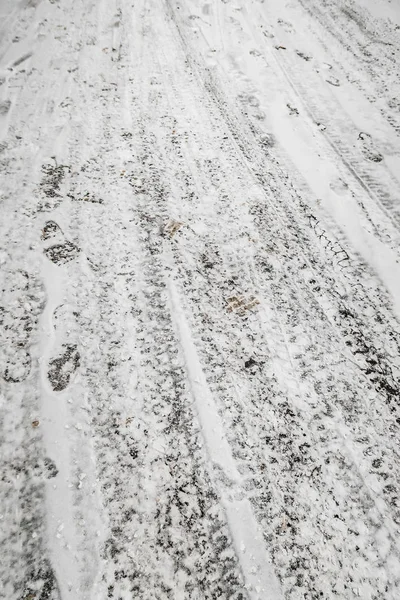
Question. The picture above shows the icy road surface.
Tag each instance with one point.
(200, 299)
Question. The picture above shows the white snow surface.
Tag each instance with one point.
(200, 299)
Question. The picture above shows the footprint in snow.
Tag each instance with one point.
(67, 356)
(23, 299)
(252, 103)
(267, 140)
(339, 186)
(45, 468)
(333, 81)
(292, 110)
(50, 186)
(18, 366)
(62, 251)
(367, 148)
(50, 230)
(286, 26)
(63, 367)
(65, 317)
(304, 56)
(5, 106)
(249, 99)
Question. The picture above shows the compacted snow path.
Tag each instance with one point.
(200, 299)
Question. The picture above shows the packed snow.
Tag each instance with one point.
(200, 299)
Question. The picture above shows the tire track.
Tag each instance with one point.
(320, 109)
(160, 496)
(358, 474)
(189, 254)
(374, 44)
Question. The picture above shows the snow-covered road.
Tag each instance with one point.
(200, 299)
